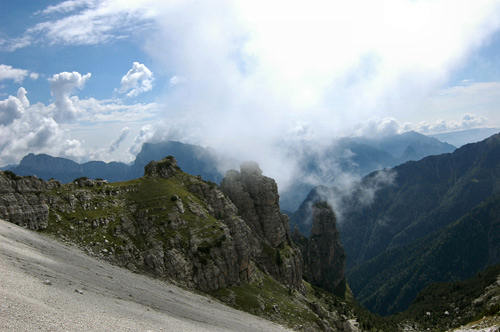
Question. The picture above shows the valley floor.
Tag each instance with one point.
(48, 286)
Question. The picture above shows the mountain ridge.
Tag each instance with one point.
(381, 238)
(193, 158)
(176, 226)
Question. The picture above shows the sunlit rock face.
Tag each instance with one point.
(22, 200)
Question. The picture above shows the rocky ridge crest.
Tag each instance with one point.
(176, 226)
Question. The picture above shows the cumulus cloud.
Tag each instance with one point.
(39, 128)
(13, 107)
(137, 80)
(116, 144)
(61, 86)
(29, 129)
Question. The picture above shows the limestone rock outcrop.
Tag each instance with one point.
(257, 200)
(164, 168)
(323, 254)
(22, 200)
(178, 226)
(168, 223)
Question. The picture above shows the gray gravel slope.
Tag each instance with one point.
(48, 286)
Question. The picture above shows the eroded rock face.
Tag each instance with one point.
(256, 197)
(22, 200)
(257, 200)
(323, 254)
(164, 168)
(169, 223)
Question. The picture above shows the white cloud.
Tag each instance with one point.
(381, 127)
(468, 121)
(175, 80)
(116, 144)
(26, 127)
(66, 6)
(391, 126)
(34, 76)
(88, 22)
(30, 130)
(13, 107)
(61, 86)
(113, 110)
(146, 133)
(11, 73)
(12, 44)
(137, 80)
(255, 69)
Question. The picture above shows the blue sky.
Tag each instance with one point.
(89, 79)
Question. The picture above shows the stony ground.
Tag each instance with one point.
(48, 286)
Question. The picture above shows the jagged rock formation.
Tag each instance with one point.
(164, 168)
(22, 200)
(176, 226)
(256, 197)
(153, 224)
(168, 222)
(257, 200)
(324, 257)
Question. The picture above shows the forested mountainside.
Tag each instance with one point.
(402, 238)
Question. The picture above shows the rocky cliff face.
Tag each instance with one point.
(323, 255)
(22, 200)
(178, 227)
(257, 200)
(168, 222)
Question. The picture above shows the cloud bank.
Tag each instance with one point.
(255, 72)
(251, 78)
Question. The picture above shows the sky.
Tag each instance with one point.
(94, 80)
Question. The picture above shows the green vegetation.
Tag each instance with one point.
(11, 175)
(106, 217)
(270, 299)
(425, 227)
(446, 305)
(96, 216)
(390, 281)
